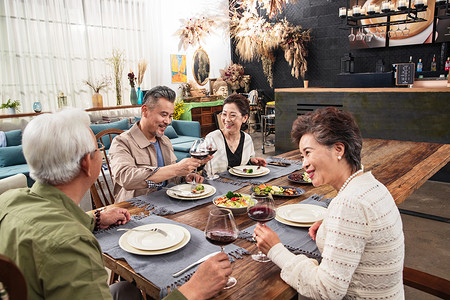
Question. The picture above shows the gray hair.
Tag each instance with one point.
(160, 91)
(54, 144)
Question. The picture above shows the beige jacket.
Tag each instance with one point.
(132, 159)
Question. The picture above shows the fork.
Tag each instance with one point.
(144, 230)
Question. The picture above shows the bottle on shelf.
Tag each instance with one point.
(447, 64)
(433, 63)
(419, 65)
(410, 60)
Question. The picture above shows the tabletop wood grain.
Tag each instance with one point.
(402, 166)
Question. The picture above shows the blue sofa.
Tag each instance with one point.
(12, 161)
(181, 133)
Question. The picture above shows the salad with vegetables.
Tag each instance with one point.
(274, 190)
(234, 200)
(198, 189)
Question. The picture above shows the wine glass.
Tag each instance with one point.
(211, 146)
(262, 211)
(37, 107)
(221, 230)
(360, 35)
(398, 32)
(406, 30)
(369, 36)
(382, 33)
(351, 36)
(199, 151)
(391, 32)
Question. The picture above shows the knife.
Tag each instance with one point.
(194, 264)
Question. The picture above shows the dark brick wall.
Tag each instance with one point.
(329, 43)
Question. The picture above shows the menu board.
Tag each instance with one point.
(405, 74)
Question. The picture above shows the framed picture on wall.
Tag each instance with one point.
(394, 35)
(178, 68)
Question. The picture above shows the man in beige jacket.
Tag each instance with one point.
(142, 158)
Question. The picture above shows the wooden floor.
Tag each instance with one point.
(427, 242)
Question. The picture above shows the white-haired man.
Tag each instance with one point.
(50, 238)
(142, 158)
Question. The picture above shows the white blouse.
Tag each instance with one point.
(362, 245)
(220, 160)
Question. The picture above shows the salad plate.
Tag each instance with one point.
(301, 177)
(153, 240)
(123, 243)
(255, 171)
(237, 203)
(184, 192)
(277, 190)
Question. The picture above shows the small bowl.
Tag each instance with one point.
(235, 211)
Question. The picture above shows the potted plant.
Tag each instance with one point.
(97, 85)
(12, 106)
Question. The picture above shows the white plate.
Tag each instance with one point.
(123, 243)
(294, 224)
(210, 188)
(264, 171)
(256, 170)
(302, 213)
(153, 240)
(184, 190)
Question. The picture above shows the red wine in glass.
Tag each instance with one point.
(221, 230)
(199, 155)
(221, 237)
(212, 149)
(262, 211)
(261, 214)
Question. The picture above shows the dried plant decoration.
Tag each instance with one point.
(293, 42)
(272, 7)
(142, 67)
(117, 61)
(193, 31)
(98, 84)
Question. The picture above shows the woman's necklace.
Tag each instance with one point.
(232, 143)
(348, 180)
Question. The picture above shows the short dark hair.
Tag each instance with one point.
(241, 102)
(329, 126)
(152, 96)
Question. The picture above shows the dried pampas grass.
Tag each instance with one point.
(193, 31)
(142, 67)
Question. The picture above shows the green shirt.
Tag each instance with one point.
(50, 238)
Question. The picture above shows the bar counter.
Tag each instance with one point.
(405, 114)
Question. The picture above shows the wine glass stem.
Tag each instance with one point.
(222, 249)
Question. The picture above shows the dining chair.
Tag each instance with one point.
(12, 278)
(13, 182)
(425, 282)
(102, 190)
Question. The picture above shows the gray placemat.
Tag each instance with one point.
(275, 171)
(159, 268)
(160, 203)
(296, 239)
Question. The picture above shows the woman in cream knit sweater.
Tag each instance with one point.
(361, 238)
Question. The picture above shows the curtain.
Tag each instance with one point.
(52, 46)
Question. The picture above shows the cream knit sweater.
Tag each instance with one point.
(362, 246)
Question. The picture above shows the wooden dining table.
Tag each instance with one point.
(400, 165)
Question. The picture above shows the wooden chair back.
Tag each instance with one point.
(102, 190)
(12, 278)
(427, 283)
